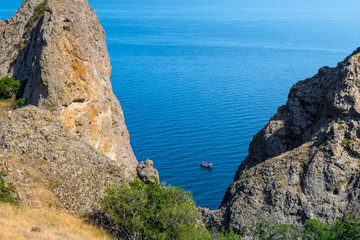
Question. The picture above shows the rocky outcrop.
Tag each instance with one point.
(78, 174)
(147, 173)
(57, 49)
(304, 163)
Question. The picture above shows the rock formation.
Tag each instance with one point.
(147, 173)
(72, 133)
(57, 49)
(304, 163)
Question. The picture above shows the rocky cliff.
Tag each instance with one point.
(57, 49)
(304, 163)
(71, 139)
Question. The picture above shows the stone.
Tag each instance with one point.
(147, 173)
(36, 229)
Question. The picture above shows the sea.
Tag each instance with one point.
(198, 79)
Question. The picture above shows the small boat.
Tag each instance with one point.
(206, 165)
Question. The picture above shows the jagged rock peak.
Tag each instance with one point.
(304, 163)
(57, 49)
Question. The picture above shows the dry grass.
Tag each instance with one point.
(5, 105)
(45, 223)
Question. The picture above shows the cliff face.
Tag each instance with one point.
(304, 163)
(57, 49)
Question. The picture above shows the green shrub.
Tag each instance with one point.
(39, 10)
(9, 87)
(6, 190)
(347, 229)
(154, 211)
(225, 235)
(270, 230)
(314, 229)
(20, 102)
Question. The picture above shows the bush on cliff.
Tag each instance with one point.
(270, 230)
(39, 10)
(6, 190)
(9, 89)
(348, 229)
(154, 211)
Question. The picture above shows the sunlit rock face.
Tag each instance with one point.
(57, 49)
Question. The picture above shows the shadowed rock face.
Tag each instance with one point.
(57, 49)
(304, 163)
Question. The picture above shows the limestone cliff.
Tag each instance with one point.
(57, 49)
(304, 163)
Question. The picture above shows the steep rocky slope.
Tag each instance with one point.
(304, 163)
(57, 49)
(70, 168)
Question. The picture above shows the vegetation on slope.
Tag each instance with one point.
(6, 190)
(154, 211)
(346, 229)
(9, 89)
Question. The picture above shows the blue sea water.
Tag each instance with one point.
(198, 79)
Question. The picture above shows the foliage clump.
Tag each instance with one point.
(348, 229)
(270, 230)
(39, 10)
(154, 211)
(6, 190)
(225, 234)
(9, 89)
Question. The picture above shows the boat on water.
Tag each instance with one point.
(206, 165)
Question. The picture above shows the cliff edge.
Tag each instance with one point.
(57, 49)
(304, 163)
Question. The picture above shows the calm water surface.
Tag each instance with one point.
(197, 81)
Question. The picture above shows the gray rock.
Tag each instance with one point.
(304, 163)
(147, 173)
(36, 229)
